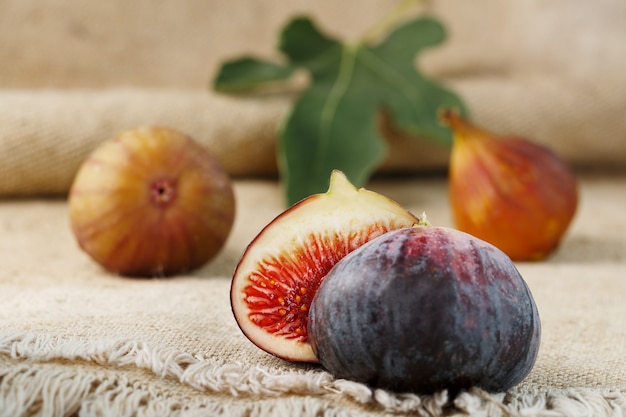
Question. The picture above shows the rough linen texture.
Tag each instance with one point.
(75, 339)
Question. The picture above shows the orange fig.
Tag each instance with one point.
(509, 191)
(151, 202)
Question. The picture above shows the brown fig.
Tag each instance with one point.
(151, 202)
(513, 193)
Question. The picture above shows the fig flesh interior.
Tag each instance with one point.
(282, 268)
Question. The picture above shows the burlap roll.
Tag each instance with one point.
(47, 134)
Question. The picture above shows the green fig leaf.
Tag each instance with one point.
(333, 123)
(246, 73)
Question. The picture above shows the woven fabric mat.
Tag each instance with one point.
(75, 339)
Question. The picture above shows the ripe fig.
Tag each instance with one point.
(424, 309)
(281, 269)
(513, 193)
(151, 202)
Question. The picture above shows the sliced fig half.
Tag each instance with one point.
(282, 268)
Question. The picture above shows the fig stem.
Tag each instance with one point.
(390, 19)
(423, 220)
(461, 127)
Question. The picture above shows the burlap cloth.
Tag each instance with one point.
(75, 340)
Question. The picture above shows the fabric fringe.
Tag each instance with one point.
(571, 402)
(62, 392)
(54, 392)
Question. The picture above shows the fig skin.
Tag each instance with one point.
(513, 193)
(425, 309)
(151, 202)
(281, 269)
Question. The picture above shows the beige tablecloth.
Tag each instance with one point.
(75, 338)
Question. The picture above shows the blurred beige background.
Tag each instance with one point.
(146, 43)
(170, 43)
(77, 73)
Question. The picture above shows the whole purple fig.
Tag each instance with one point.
(424, 309)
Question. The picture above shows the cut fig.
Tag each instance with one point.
(282, 268)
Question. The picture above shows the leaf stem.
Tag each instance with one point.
(390, 19)
(329, 110)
